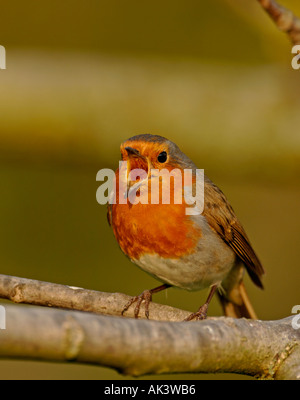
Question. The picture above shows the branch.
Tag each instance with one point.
(28, 291)
(285, 20)
(264, 349)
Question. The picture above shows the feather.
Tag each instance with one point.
(222, 219)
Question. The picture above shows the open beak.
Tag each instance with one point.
(133, 153)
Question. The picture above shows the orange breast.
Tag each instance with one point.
(162, 229)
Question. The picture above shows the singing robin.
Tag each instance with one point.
(191, 252)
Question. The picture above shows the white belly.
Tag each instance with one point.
(208, 265)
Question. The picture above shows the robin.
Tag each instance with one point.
(192, 252)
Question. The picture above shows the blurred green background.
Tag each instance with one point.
(81, 77)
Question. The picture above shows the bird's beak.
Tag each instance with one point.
(134, 153)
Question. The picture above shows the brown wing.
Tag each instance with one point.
(222, 219)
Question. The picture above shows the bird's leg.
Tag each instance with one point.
(147, 296)
(201, 313)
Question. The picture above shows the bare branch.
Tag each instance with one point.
(28, 291)
(265, 349)
(285, 20)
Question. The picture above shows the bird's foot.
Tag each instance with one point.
(147, 296)
(199, 315)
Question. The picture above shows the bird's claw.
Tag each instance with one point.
(147, 296)
(199, 315)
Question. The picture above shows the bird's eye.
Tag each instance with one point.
(162, 157)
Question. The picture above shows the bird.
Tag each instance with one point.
(192, 252)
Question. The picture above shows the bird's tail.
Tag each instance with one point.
(242, 308)
(233, 296)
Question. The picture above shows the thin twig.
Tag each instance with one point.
(285, 20)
